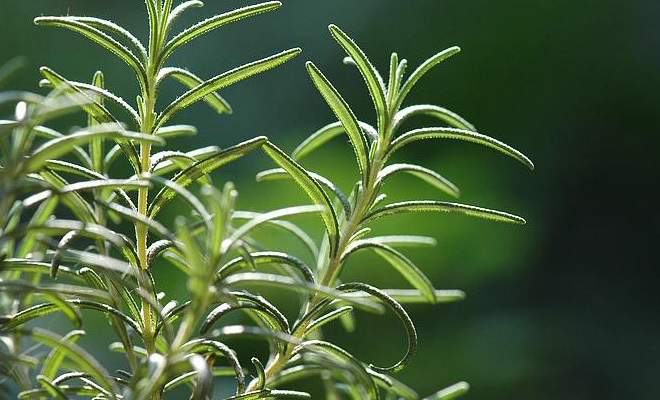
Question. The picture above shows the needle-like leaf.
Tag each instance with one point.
(311, 187)
(100, 38)
(202, 90)
(458, 134)
(215, 22)
(345, 115)
(369, 73)
(441, 206)
(425, 174)
(201, 168)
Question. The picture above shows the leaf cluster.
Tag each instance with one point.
(74, 237)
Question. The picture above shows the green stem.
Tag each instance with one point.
(363, 204)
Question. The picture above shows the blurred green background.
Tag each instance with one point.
(563, 308)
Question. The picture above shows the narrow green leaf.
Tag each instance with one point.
(126, 184)
(178, 158)
(369, 73)
(201, 168)
(82, 358)
(267, 257)
(168, 166)
(138, 218)
(191, 80)
(451, 392)
(413, 296)
(57, 303)
(270, 394)
(180, 9)
(345, 358)
(221, 81)
(458, 134)
(116, 29)
(261, 375)
(278, 281)
(400, 262)
(179, 190)
(400, 313)
(323, 135)
(176, 130)
(207, 346)
(392, 84)
(311, 187)
(425, 174)
(228, 244)
(56, 356)
(430, 110)
(421, 70)
(404, 240)
(37, 267)
(331, 316)
(100, 38)
(280, 173)
(51, 388)
(287, 226)
(344, 114)
(215, 22)
(275, 319)
(100, 91)
(57, 147)
(441, 206)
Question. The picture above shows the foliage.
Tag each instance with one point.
(64, 247)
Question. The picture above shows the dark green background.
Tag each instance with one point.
(563, 308)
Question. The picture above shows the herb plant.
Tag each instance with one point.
(64, 246)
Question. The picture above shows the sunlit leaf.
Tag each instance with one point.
(441, 206)
(215, 22)
(371, 77)
(345, 115)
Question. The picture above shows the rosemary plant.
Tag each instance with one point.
(64, 246)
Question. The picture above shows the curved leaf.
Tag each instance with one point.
(400, 262)
(311, 187)
(79, 356)
(105, 94)
(441, 206)
(274, 318)
(267, 257)
(331, 316)
(279, 173)
(191, 80)
(430, 110)
(178, 10)
(369, 73)
(100, 38)
(323, 135)
(114, 28)
(202, 167)
(251, 224)
(176, 130)
(228, 78)
(400, 313)
(451, 392)
(215, 22)
(344, 357)
(423, 69)
(458, 134)
(344, 114)
(278, 281)
(425, 174)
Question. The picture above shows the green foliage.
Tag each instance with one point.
(65, 245)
